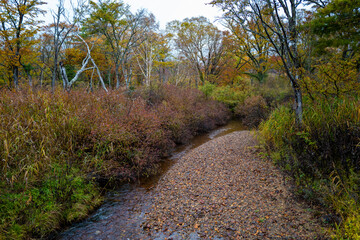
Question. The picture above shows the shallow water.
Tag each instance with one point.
(123, 212)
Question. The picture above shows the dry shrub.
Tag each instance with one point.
(186, 112)
(111, 127)
(53, 145)
(253, 111)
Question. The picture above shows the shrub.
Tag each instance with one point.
(53, 147)
(208, 89)
(185, 112)
(252, 111)
(328, 140)
(323, 155)
(231, 96)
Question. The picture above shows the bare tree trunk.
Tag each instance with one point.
(58, 39)
(287, 48)
(118, 63)
(16, 76)
(91, 81)
(18, 47)
(163, 75)
(128, 77)
(298, 106)
(278, 21)
(56, 43)
(117, 76)
(30, 79)
(66, 83)
(99, 74)
(64, 76)
(109, 77)
(54, 72)
(41, 76)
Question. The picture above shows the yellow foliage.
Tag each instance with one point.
(74, 56)
(333, 77)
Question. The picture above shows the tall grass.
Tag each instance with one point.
(324, 156)
(55, 147)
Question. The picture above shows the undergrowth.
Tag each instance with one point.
(251, 101)
(324, 156)
(55, 148)
(229, 95)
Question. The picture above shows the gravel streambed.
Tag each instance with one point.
(223, 190)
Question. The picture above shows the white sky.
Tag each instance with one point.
(168, 10)
(164, 10)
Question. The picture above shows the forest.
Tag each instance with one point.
(99, 95)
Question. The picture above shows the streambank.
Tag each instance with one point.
(123, 211)
(217, 188)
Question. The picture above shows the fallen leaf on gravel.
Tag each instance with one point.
(225, 188)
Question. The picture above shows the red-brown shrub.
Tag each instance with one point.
(107, 134)
(53, 145)
(253, 111)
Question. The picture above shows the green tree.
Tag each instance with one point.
(337, 24)
(251, 49)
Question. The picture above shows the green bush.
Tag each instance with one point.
(324, 155)
(208, 89)
(231, 96)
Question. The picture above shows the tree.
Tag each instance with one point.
(251, 50)
(61, 31)
(200, 42)
(46, 55)
(68, 83)
(145, 57)
(333, 77)
(121, 29)
(163, 60)
(17, 29)
(147, 51)
(337, 24)
(279, 19)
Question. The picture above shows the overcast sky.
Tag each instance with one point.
(164, 10)
(168, 10)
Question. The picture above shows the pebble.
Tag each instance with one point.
(227, 178)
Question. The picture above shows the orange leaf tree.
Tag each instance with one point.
(17, 29)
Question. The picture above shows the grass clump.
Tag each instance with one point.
(323, 156)
(56, 148)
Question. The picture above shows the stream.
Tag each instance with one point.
(123, 212)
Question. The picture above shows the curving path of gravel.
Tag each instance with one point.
(223, 190)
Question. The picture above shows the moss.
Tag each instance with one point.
(39, 210)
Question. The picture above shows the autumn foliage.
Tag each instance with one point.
(253, 111)
(54, 146)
